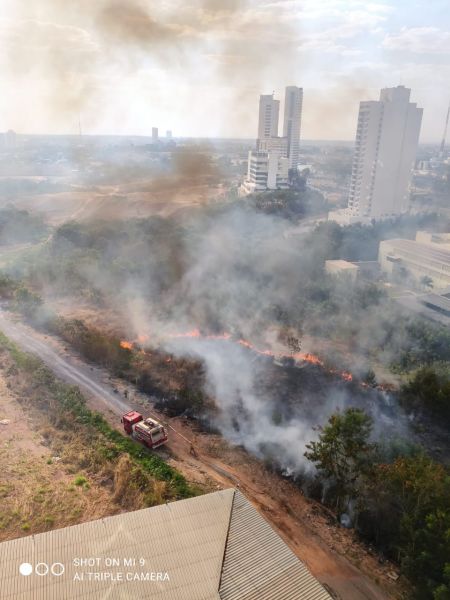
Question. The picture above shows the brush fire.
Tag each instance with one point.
(297, 357)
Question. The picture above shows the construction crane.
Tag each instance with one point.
(441, 150)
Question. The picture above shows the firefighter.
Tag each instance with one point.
(192, 451)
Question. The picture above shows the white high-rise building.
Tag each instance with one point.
(269, 110)
(266, 171)
(385, 152)
(293, 101)
(268, 165)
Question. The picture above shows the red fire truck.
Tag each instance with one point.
(147, 431)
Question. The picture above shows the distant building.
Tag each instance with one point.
(427, 237)
(385, 152)
(273, 144)
(277, 163)
(154, 134)
(212, 547)
(440, 303)
(424, 166)
(269, 164)
(168, 134)
(10, 138)
(265, 171)
(434, 306)
(269, 109)
(427, 256)
(342, 268)
(293, 101)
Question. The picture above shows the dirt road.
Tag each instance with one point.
(303, 524)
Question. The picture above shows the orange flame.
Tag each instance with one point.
(195, 333)
(299, 356)
(308, 357)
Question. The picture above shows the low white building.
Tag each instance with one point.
(427, 256)
(267, 170)
(342, 268)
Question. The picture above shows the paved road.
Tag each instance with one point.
(87, 378)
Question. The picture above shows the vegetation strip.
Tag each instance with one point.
(70, 399)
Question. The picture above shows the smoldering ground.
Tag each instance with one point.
(258, 411)
(227, 268)
(230, 270)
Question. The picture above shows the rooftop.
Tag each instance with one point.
(437, 301)
(341, 264)
(213, 547)
(429, 251)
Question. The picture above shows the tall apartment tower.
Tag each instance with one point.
(385, 150)
(293, 101)
(268, 167)
(269, 109)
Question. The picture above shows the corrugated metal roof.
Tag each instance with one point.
(186, 539)
(438, 300)
(213, 547)
(427, 251)
(258, 565)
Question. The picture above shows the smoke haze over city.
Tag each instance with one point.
(198, 67)
(224, 291)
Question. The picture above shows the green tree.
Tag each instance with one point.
(27, 302)
(429, 390)
(410, 500)
(370, 378)
(342, 453)
(7, 286)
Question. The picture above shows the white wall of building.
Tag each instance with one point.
(385, 150)
(293, 101)
(416, 260)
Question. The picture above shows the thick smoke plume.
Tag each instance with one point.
(238, 270)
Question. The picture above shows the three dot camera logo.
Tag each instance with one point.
(42, 569)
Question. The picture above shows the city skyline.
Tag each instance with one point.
(123, 67)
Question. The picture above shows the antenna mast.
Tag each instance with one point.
(441, 150)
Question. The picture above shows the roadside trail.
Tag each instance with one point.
(80, 375)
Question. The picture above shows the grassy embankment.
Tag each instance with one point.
(98, 471)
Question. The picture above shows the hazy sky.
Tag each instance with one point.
(198, 66)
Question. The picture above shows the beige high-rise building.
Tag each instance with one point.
(385, 152)
(269, 110)
(293, 101)
(268, 164)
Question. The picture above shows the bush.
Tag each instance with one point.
(429, 391)
(80, 480)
